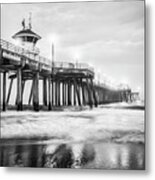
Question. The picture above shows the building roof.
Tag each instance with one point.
(26, 32)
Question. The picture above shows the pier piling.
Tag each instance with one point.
(36, 92)
(49, 94)
(19, 89)
(4, 91)
(45, 91)
(89, 93)
(9, 91)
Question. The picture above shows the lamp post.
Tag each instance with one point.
(51, 78)
(53, 39)
(52, 57)
(52, 73)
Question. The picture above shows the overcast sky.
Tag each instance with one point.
(107, 35)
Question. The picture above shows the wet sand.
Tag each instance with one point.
(81, 155)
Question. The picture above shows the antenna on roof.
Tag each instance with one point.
(23, 23)
(30, 20)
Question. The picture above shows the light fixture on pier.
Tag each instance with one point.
(139, 90)
(98, 75)
(53, 39)
(124, 83)
(76, 55)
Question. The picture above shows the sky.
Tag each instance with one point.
(107, 35)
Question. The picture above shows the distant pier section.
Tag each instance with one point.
(63, 83)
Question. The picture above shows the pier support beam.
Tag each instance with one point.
(83, 93)
(69, 93)
(49, 94)
(19, 90)
(45, 91)
(52, 92)
(74, 94)
(77, 92)
(31, 93)
(58, 91)
(36, 92)
(9, 91)
(23, 85)
(4, 92)
(63, 93)
(94, 93)
(22, 91)
(89, 93)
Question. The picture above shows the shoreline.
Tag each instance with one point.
(79, 108)
(108, 124)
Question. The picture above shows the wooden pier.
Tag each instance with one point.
(64, 84)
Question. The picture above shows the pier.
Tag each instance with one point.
(63, 83)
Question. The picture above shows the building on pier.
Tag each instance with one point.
(26, 38)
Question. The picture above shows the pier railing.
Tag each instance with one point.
(10, 47)
(61, 64)
(24, 52)
(111, 86)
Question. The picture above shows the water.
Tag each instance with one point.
(99, 138)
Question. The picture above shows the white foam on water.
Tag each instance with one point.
(90, 125)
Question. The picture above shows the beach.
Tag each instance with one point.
(99, 138)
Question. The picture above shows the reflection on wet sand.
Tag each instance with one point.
(99, 155)
(62, 157)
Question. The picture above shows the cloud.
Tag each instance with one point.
(109, 35)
